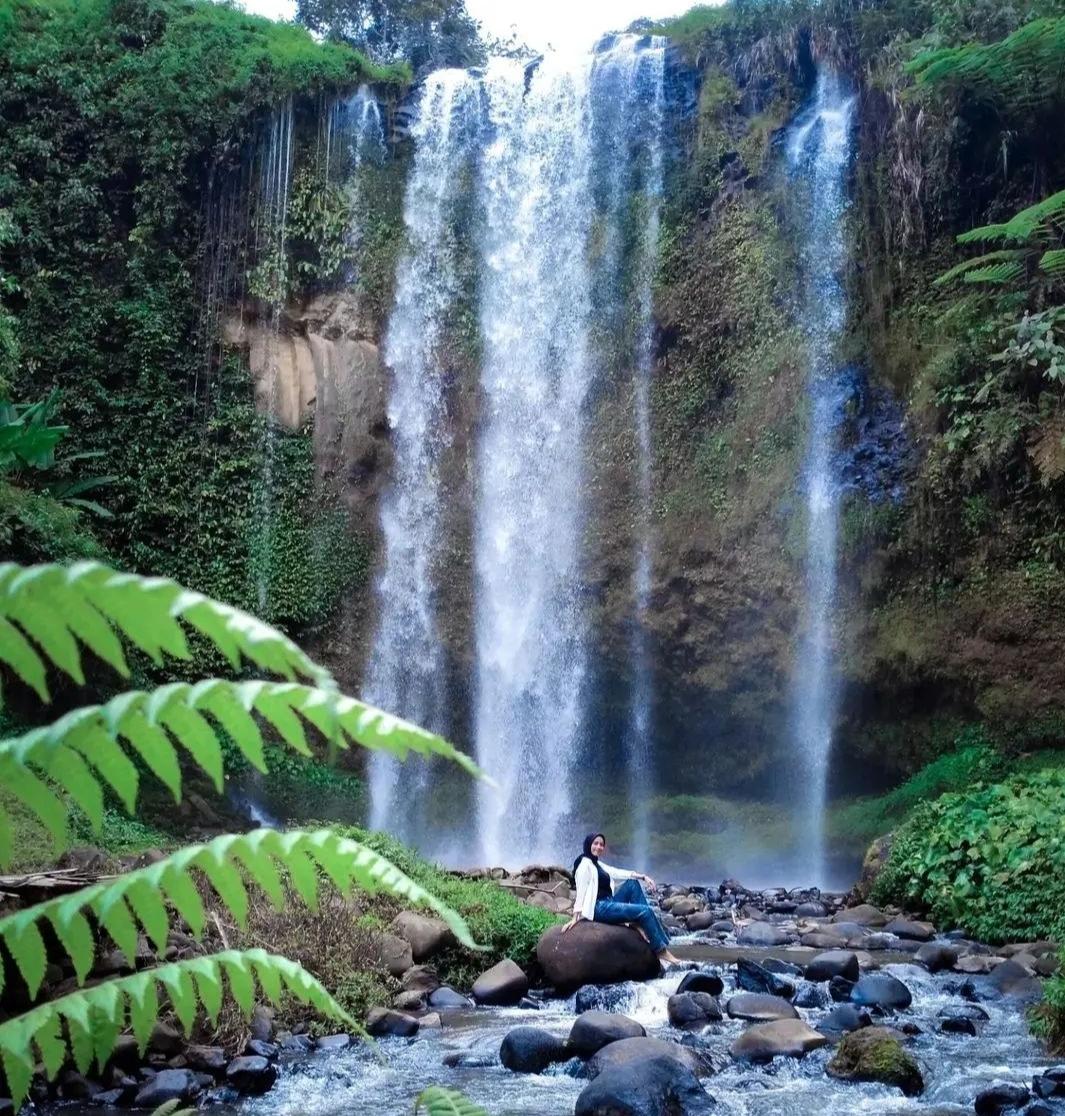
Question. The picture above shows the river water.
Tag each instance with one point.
(956, 1068)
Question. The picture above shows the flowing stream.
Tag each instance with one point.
(819, 151)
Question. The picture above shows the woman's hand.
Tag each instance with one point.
(572, 922)
(650, 883)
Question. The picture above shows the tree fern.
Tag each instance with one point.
(1021, 73)
(137, 900)
(62, 609)
(89, 748)
(438, 1101)
(85, 1024)
(1043, 221)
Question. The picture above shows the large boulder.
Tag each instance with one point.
(171, 1085)
(864, 914)
(394, 953)
(633, 1050)
(427, 936)
(649, 1086)
(1001, 1097)
(833, 963)
(757, 1007)
(784, 1038)
(531, 1050)
(503, 984)
(843, 1019)
(1013, 980)
(937, 956)
(690, 1011)
(381, 1021)
(593, 1030)
(881, 990)
(876, 856)
(595, 953)
(876, 1054)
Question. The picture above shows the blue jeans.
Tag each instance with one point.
(630, 905)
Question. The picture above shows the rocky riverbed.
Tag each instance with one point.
(787, 1004)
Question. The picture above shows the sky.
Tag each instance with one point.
(561, 24)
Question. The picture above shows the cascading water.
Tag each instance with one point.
(819, 153)
(275, 186)
(556, 153)
(406, 668)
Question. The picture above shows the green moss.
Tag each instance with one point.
(876, 1055)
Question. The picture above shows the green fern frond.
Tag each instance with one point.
(84, 1025)
(1023, 72)
(137, 900)
(1045, 218)
(88, 748)
(1009, 259)
(1053, 263)
(438, 1101)
(62, 609)
(994, 274)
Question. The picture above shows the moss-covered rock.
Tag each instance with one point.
(876, 1054)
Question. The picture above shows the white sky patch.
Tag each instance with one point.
(562, 24)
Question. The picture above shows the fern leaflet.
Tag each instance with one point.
(138, 899)
(438, 1101)
(85, 1024)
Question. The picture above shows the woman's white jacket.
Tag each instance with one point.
(586, 879)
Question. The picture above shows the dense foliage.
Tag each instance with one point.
(120, 123)
(990, 860)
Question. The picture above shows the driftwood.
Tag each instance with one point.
(33, 886)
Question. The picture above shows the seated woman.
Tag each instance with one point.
(597, 901)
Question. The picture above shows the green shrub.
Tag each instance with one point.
(1048, 1019)
(990, 860)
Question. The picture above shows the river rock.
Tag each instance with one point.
(757, 1007)
(958, 1025)
(913, 931)
(753, 977)
(447, 999)
(689, 1011)
(503, 984)
(1050, 1084)
(427, 936)
(826, 939)
(687, 905)
(1014, 980)
(251, 1074)
(421, 978)
(409, 1001)
(876, 1054)
(840, 989)
(702, 920)
(1001, 1097)
(206, 1059)
(809, 995)
(843, 1019)
(784, 1038)
(763, 934)
(632, 1050)
(332, 1044)
(172, 1085)
(834, 963)
(646, 1087)
(811, 910)
(531, 1050)
(595, 953)
(937, 956)
(394, 953)
(701, 981)
(600, 997)
(593, 1030)
(881, 990)
(382, 1021)
(864, 914)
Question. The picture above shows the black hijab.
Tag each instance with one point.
(588, 850)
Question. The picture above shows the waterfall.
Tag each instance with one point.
(556, 159)
(819, 153)
(640, 751)
(536, 373)
(406, 669)
(275, 186)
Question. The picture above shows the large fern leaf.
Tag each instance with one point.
(85, 1024)
(89, 748)
(62, 609)
(1044, 219)
(137, 900)
(1006, 262)
(438, 1101)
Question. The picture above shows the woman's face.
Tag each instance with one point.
(598, 846)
